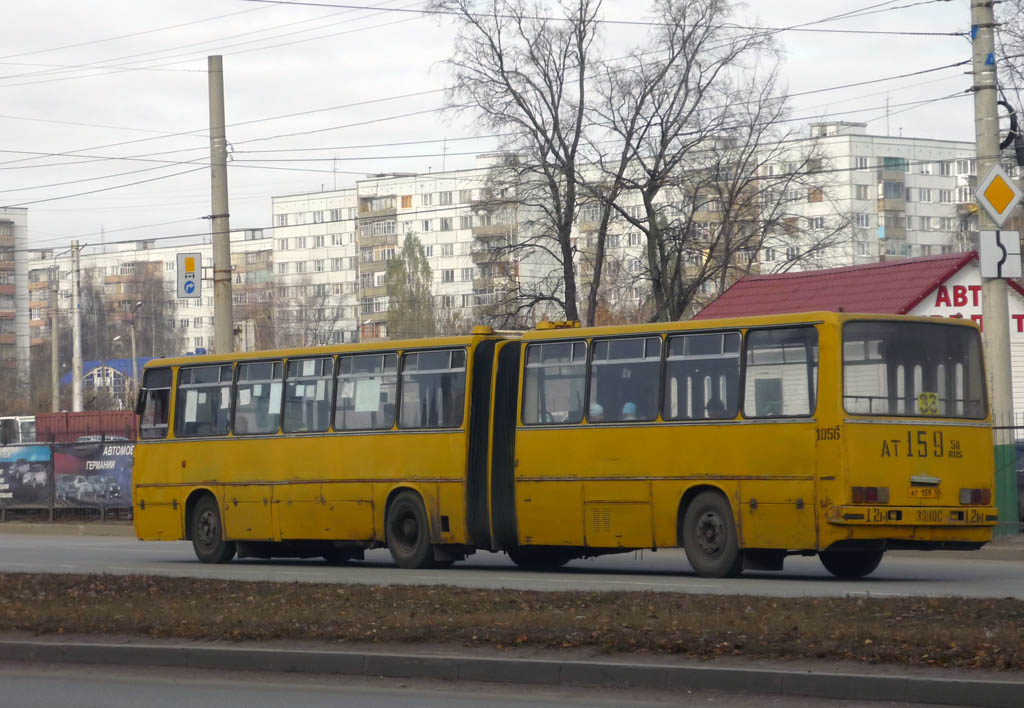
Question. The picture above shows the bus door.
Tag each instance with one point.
(502, 463)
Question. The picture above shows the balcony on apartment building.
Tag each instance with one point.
(489, 254)
(378, 207)
(495, 230)
(366, 240)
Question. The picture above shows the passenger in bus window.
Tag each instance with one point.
(716, 409)
(629, 410)
(596, 414)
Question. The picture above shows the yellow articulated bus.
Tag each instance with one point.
(741, 441)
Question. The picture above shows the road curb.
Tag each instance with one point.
(594, 673)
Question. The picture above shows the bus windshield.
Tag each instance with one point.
(917, 369)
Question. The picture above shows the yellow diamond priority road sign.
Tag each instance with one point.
(998, 195)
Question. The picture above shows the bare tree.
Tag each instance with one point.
(524, 73)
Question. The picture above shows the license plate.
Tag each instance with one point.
(924, 493)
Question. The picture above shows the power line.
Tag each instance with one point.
(636, 23)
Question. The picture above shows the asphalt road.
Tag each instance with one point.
(29, 685)
(667, 571)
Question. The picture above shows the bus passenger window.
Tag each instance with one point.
(781, 372)
(624, 377)
(258, 398)
(367, 387)
(433, 389)
(553, 386)
(307, 395)
(203, 404)
(702, 377)
(156, 403)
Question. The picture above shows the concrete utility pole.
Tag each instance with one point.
(135, 360)
(995, 309)
(54, 342)
(222, 315)
(76, 329)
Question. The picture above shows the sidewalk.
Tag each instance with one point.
(536, 667)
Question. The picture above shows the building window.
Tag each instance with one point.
(300, 242)
(446, 222)
(861, 163)
(634, 238)
(465, 222)
(448, 275)
(769, 255)
(318, 217)
(168, 266)
(946, 168)
(318, 242)
(965, 167)
(465, 195)
(963, 195)
(318, 266)
(945, 223)
(425, 226)
(426, 199)
(337, 264)
(183, 323)
(893, 190)
(863, 221)
(814, 194)
(792, 253)
(816, 222)
(428, 251)
(447, 250)
(281, 220)
(863, 191)
(444, 198)
(407, 201)
(282, 268)
(924, 195)
(300, 266)
(467, 300)
(467, 274)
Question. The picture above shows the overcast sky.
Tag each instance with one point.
(125, 78)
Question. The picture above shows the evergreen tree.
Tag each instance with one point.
(410, 300)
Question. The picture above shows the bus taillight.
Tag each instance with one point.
(870, 495)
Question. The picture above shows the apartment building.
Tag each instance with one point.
(14, 344)
(332, 250)
(884, 197)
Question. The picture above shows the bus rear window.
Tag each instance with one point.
(917, 369)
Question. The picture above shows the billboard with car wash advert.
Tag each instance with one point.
(25, 476)
(93, 474)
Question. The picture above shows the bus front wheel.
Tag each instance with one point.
(408, 532)
(710, 538)
(208, 534)
(850, 564)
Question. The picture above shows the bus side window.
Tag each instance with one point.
(554, 382)
(156, 404)
(781, 372)
(433, 389)
(203, 402)
(307, 395)
(258, 398)
(702, 377)
(367, 387)
(624, 376)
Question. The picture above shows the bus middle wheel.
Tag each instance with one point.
(408, 532)
(710, 538)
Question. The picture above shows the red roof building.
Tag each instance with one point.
(891, 287)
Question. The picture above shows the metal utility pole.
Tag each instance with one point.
(995, 309)
(54, 342)
(135, 361)
(222, 315)
(76, 329)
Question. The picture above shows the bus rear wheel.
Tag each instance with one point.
(851, 564)
(408, 532)
(529, 558)
(710, 538)
(208, 534)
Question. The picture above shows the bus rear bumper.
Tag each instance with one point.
(913, 516)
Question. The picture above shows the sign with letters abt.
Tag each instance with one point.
(190, 275)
